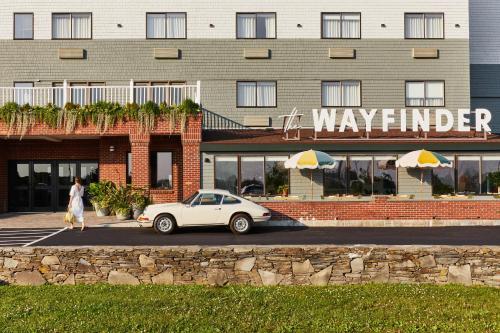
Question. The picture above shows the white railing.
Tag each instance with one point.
(84, 95)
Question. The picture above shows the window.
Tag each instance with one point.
(84, 93)
(208, 199)
(276, 175)
(424, 25)
(23, 92)
(335, 180)
(425, 93)
(72, 26)
(23, 25)
(166, 25)
(360, 175)
(256, 94)
(226, 173)
(230, 200)
(171, 93)
(341, 25)
(129, 168)
(341, 93)
(468, 174)
(252, 176)
(384, 175)
(161, 170)
(255, 25)
(490, 174)
(443, 179)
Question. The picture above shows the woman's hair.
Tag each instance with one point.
(78, 180)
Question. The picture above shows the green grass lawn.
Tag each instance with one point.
(360, 308)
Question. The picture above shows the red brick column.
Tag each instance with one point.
(191, 164)
(141, 172)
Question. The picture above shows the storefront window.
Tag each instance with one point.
(226, 173)
(360, 175)
(161, 170)
(443, 179)
(468, 174)
(490, 174)
(252, 176)
(276, 174)
(335, 180)
(384, 175)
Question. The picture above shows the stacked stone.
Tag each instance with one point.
(310, 265)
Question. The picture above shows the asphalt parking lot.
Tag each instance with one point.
(25, 237)
(220, 236)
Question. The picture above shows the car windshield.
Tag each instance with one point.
(190, 199)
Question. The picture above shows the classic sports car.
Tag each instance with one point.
(205, 207)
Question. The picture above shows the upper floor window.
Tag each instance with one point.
(72, 26)
(341, 93)
(425, 93)
(255, 25)
(23, 25)
(256, 94)
(424, 25)
(341, 25)
(165, 25)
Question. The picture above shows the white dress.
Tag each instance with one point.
(77, 202)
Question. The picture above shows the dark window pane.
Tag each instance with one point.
(22, 176)
(161, 170)
(89, 173)
(335, 180)
(384, 175)
(276, 174)
(252, 176)
(42, 174)
(129, 168)
(230, 201)
(468, 174)
(226, 173)
(360, 176)
(42, 198)
(443, 179)
(19, 198)
(208, 199)
(66, 173)
(490, 172)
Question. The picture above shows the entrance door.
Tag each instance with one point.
(45, 185)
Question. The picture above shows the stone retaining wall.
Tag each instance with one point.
(315, 265)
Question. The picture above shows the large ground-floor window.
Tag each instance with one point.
(251, 175)
(361, 175)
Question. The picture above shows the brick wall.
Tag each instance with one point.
(191, 164)
(382, 208)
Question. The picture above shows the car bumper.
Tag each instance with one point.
(260, 219)
(144, 221)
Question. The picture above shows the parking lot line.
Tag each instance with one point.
(45, 237)
(25, 237)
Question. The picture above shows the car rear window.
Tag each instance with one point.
(230, 200)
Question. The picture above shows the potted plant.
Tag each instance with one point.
(100, 197)
(121, 202)
(283, 189)
(494, 178)
(139, 202)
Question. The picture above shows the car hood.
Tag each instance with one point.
(165, 205)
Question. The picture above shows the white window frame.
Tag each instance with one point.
(166, 15)
(424, 25)
(256, 14)
(256, 103)
(71, 25)
(32, 26)
(341, 14)
(425, 97)
(342, 83)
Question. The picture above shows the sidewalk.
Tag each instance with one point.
(55, 220)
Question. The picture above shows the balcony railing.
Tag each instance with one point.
(85, 95)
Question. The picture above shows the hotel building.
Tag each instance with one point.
(258, 69)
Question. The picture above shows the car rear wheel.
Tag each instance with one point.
(165, 224)
(240, 224)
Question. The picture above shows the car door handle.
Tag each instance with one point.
(218, 208)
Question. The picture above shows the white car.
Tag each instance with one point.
(205, 207)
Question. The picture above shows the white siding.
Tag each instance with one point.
(201, 13)
(485, 31)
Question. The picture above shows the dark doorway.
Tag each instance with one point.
(44, 185)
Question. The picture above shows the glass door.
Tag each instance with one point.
(19, 186)
(66, 173)
(42, 191)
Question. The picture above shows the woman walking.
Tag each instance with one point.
(76, 203)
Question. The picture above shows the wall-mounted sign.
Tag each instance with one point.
(412, 119)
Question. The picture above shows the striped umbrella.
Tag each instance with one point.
(310, 159)
(423, 159)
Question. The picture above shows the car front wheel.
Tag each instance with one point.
(240, 224)
(165, 224)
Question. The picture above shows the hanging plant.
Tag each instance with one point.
(147, 117)
(105, 115)
(188, 108)
(25, 119)
(169, 112)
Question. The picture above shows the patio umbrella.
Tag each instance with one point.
(423, 159)
(310, 159)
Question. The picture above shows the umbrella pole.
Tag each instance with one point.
(312, 189)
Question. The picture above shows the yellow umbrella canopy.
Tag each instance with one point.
(423, 159)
